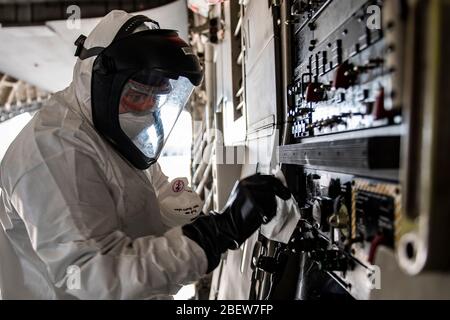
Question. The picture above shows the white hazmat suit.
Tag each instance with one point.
(77, 220)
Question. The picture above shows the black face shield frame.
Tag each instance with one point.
(157, 50)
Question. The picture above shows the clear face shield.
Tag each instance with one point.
(150, 105)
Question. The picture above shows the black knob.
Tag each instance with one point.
(331, 260)
(268, 264)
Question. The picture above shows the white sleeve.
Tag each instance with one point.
(71, 220)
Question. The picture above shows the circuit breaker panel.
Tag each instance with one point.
(352, 94)
(346, 114)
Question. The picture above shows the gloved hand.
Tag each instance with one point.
(252, 203)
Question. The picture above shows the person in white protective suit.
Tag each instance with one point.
(85, 211)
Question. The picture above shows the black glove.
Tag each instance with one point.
(252, 203)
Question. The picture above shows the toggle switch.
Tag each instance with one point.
(316, 92)
(379, 112)
(345, 76)
(370, 65)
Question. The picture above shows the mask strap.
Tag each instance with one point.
(83, 53)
